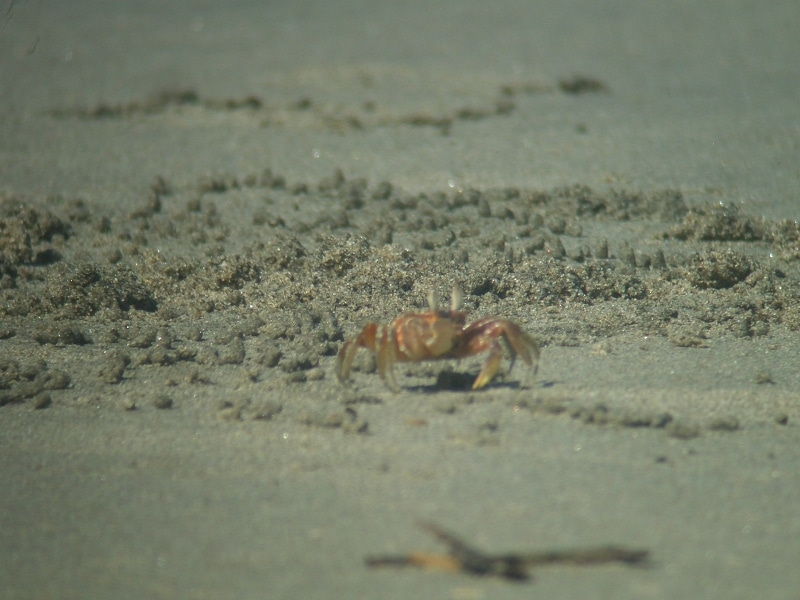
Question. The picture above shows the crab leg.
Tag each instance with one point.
(344, 361)
(386, 356)
(491, 367)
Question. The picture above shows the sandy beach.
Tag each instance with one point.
(200, 203)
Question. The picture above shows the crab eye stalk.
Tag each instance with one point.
(433, 300)
(456, 298)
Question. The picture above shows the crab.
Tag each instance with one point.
(438, 334)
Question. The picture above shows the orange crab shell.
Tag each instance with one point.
(439, 334)
(428, 335)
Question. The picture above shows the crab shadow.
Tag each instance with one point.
(456, 381)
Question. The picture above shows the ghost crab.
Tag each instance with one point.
(439, 334)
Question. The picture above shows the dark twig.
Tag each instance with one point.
(466, 559)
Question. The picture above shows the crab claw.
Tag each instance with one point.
(493, 334)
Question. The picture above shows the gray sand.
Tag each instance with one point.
(199, 203)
